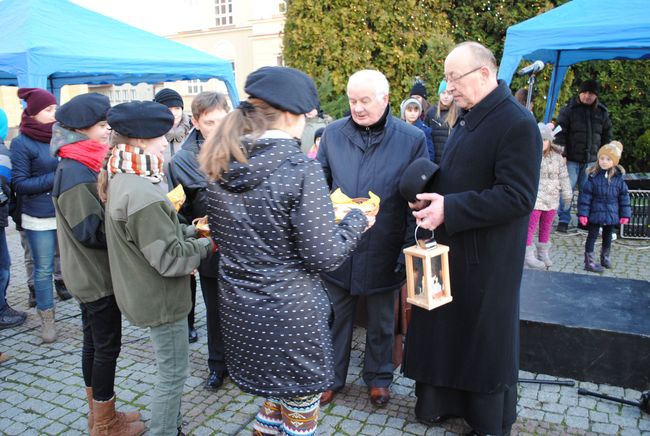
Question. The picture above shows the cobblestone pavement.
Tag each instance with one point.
(41, 389)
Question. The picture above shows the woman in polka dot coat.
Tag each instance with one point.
(270, 215)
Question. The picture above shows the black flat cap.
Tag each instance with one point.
(140, 119)
(83, 111)
(284, 88)
(417, 178)
(169, 98)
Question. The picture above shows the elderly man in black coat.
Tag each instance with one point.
(368, 151)
(464, 356)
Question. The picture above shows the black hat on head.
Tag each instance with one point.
(169, 98)
(419, 89)
(417, 178)
(83, 111)
(283, 88)
(590, 86)
(140, 119)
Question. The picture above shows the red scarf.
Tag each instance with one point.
(35, 130)
(90, 153)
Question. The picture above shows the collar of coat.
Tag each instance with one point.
(474, 116)
(355, 133)
(378, 126)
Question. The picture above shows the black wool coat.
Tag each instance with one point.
(359, 160)
(488, 175)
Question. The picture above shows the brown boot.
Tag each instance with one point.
(48, 330)
(128, 416)
(109, 423)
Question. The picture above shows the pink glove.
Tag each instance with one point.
(583, 220)
(624, 221)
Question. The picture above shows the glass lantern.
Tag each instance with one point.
(427, 275)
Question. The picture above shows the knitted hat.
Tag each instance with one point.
(36, 99)
(408, 101)
(590, 86)
(169, 98)
(83, 111)
(283, 88)
(546, 130)
(443, 87)
(417, 178)
(419, 89)
(613, 150)
(140, 119)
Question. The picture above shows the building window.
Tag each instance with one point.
(194, 87)
(223, 12)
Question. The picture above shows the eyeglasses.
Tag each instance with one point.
(452, 79)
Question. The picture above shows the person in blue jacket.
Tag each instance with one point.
(8, 316)
(33, 178)
(603, 202)
(410, 110)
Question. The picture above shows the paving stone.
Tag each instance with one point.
(598, 416)
(577, 422)
(350, 426)
(605, 428)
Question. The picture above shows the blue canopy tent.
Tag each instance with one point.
(578, 31)
(49, 44)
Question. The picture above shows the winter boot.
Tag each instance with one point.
(604, 258)
(530, 260)
(31, 301)
(108, 422)
(590, 263)
(543, 253)
(61, 290)
(128, 416)
(48, 332)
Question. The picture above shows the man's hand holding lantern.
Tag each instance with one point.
(432, 215)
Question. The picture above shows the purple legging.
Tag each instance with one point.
(545, 220)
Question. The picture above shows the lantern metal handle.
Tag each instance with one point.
(426, 244)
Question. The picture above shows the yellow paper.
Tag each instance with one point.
(177, 197)
(343, 204)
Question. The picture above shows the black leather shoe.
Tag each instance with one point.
(11, 318)
(61, 290)
(215, 379)
(193, 336)
(434, 420)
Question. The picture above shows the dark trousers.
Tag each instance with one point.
(593, 235)
(378, 361)
(210, 290)
(190, 316)
(102, 331)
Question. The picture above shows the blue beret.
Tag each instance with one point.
(417, 178)
(83, 111)
(141, 119)
(283, 88)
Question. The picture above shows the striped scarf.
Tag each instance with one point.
(128, 159)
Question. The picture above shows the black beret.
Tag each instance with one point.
(417, 178)
(590, 86)
(284, 88)
(83, 111)
(140, 119)
(169, 98)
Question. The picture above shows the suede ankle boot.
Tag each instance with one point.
(543, 249)
(590, 263)
(48, 329)
(128, 416)
(531, 260)
(109, 423)
(604, 258)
